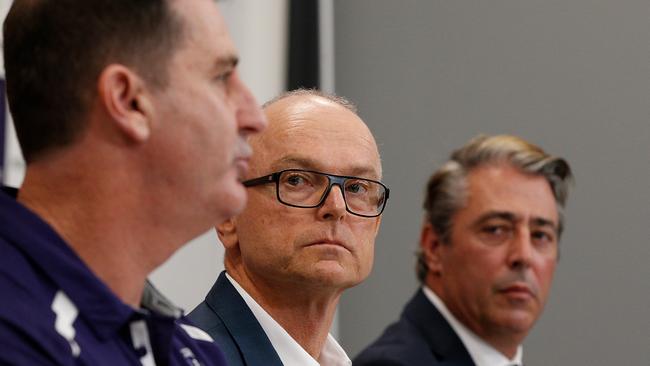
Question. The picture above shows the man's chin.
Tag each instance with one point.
(231, 200)
(519, 321)
(330, 274)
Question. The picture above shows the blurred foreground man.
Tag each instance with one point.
(306, 235)
(132, 120)
(488, 251)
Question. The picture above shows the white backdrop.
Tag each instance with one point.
(14, 165)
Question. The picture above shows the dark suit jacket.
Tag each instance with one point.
(227, 318)
(421, 336)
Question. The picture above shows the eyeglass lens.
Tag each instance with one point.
(306, 189)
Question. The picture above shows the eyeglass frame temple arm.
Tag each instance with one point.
(271, 178)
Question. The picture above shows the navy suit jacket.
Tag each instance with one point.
(226, 317)
(421, 336)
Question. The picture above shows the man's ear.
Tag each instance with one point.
(227, 233)
(126, 100)
(431, 246)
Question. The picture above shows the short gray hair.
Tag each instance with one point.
(446, 190)
(343, 102)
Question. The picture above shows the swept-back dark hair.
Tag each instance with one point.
(55, 50)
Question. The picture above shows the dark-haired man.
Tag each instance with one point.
(488, 251)
(132, 120)
(306, 235)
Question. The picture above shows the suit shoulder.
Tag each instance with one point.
(374, 356)
(400, 344)
(379, 361)
(205, 318)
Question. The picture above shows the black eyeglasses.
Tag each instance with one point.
(309, 189)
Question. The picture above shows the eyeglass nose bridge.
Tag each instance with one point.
(332, 181)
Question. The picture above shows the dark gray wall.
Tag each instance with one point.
(572, 76)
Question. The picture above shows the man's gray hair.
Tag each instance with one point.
(343, 102)
(446, 190)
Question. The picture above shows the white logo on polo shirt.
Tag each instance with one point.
(140, 337)
(66, 313)
(196, 333)
(189, 357)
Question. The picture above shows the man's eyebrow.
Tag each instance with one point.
(228, 61)
(540, 221)
(503, 215)
(300, 162)
(511, 217)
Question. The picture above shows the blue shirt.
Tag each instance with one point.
(55, 311)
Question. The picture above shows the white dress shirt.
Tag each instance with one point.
(290, 351)
(481, 352)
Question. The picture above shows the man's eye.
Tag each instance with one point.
(496, 233)
(295, 180)
(298, 180)
(543, 237)
(357, 188)
(224, 76)
(494, 229)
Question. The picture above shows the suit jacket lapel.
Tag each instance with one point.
(442, 339)
(254, 345)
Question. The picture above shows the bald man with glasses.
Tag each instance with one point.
(307, 234)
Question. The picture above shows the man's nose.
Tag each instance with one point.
(521, 249)
(250, 117)
(333, 208)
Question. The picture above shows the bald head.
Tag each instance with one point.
(305, 128)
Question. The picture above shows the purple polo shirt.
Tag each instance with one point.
(55, 311)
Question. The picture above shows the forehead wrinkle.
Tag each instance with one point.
(296, 161)
(307, 129)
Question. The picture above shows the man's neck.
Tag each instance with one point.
(306, 315)
(103, 228)
(508, 346)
